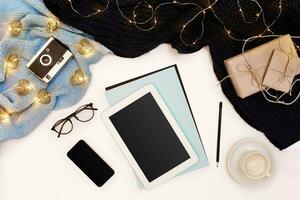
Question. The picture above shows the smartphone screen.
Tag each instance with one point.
(90, 163)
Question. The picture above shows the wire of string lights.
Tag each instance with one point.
(98, 11)
(257, 14)
(210, 5)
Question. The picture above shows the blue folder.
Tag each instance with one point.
(169, 85)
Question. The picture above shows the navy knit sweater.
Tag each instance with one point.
(281, 124)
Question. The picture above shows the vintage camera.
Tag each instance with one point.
(49, 60)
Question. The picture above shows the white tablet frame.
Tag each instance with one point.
(129, 100)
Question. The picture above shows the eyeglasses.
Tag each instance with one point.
(83, 114)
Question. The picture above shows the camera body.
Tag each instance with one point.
(49, 60)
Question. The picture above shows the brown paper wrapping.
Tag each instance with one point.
(281, 71)
(298, 71)
(245, 84)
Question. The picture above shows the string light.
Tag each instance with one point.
(15, 28)
(257, 14)
(153, 17)
(4, 116)
(89, 15)
(12, 62)
(24, 87)
(85, 48)
(268, 26)
(201, 11)
(79, 78)
(43, 97)
(52, 25)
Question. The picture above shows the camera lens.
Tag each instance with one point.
(45, 60)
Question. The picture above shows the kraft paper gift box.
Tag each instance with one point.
(245, 84)
(281, 71)
(298, 71)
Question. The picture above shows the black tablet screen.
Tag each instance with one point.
(149, 137)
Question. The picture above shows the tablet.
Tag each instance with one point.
(149, 137)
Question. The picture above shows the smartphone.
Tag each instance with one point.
(90, 163)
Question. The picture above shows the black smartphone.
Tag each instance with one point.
(90, 163)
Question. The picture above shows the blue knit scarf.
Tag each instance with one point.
(21, 113)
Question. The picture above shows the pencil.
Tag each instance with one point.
(219, 133)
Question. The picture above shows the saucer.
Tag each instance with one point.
(233, 160)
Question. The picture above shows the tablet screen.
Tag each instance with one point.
(149, 137)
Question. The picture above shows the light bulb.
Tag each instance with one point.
(4, 116)
(15, 28)
(24, 87)
(84, 47)
(52, 25)
(79, 78)
(43, 97)
(11, 63)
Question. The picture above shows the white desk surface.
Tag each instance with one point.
(36, 167)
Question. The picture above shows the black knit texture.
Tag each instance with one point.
(280, 124)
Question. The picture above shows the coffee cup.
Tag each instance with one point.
(255, 165)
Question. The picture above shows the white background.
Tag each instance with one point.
(36, 167)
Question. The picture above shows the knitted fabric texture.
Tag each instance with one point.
(25, 112)
(281, 124)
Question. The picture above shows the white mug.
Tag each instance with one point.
(255, 165)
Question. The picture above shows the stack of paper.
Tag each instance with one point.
(169, 84)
